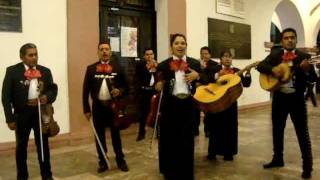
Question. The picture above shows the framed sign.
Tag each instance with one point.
(10, 16)
(231, 8)
(229, 35)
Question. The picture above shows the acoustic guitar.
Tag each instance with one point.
(216, 97)
(270, 83)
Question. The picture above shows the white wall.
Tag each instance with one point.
(45, 24)
(259, 15)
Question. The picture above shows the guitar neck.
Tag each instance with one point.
(248, 67)
(315, 60)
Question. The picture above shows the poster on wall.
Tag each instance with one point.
(10, 16)
(229, 35)
(129, 39)
(115, 44)
(231, 7)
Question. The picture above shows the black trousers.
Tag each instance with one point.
(28, 119)
(197, 114)
(176, 142)
(102, 118)
(293, 104)
(144, 106)
(223, 128)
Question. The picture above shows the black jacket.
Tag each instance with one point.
(300, 78)
(92, 84)
(15, 89)
(167, 75)
(143, 75)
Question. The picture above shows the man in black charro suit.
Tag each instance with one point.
(145, 74)
(289, 98)
(19, 99)
(103, 81)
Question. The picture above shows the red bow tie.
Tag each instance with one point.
(32, 74)
(104, 68)
(288, 56)
(176, 65)
(151, 66)
(228, 70)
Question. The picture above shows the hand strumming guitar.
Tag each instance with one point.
(193, 75)
(277, 72)
(305, 65)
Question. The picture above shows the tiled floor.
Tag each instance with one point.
(255, 148)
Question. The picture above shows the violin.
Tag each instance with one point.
(152, 65)
(121, 118)
(155, 102)
(50, 127)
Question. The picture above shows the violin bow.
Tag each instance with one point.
(99, 142)
(40, 129)
(156, 121)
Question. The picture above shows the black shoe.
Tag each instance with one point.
(48, 178)
(228, 158)
(207, 134)
(140, 137)
(274, 163)
(306, 174)
(102, 168)
(196, 133)
(123, 166)
(211, 157)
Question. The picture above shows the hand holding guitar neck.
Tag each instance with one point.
(248, 68)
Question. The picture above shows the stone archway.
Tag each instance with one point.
(289, 16)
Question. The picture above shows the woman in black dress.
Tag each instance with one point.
(223, 139)
(176, 143)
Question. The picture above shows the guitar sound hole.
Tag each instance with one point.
(223, 82)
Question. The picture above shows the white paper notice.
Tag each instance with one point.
(129, 38)
(115, 44)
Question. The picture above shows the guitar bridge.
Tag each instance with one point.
(209, 91)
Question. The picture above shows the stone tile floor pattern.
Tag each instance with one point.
(255, 148)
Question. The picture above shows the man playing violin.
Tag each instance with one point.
(104, 81)
(145, 74)
(289, 98)
(20, 93)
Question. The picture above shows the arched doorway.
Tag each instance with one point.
(287, 15)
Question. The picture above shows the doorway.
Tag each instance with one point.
(130, 27)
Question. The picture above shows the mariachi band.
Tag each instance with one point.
(178, 88)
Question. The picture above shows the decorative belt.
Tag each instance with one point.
(147, 88)
(105, 102)
(32, 102)
(182, 96)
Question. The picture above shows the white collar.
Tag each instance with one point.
(223, 66)
(103, 62)
(285, 51)
(184, 58)
(27, 67)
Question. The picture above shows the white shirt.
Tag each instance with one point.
(33, 92)
(104, 93)
(288, 87)
(180, 84)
